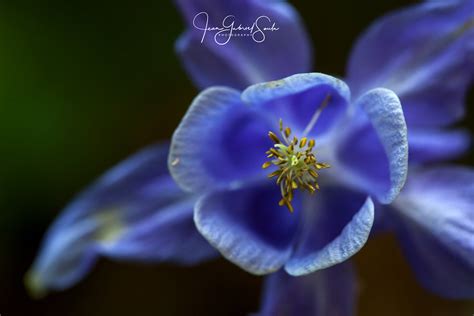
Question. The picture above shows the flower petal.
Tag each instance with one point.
(434, 220)
(337, 225)
(114, 209)
(375, 150)
(64, 259)
(167, 234)
(425, 54)
(428, 145)
(242, 61)
(220, 142)
(295, 100)
(328, 292)
(248, 227)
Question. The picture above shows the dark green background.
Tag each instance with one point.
(83, 84)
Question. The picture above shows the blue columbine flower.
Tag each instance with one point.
(221, 144)
(423, 53)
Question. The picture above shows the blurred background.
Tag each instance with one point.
(84, 84)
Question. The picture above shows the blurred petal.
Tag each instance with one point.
(243, 61)
(121, 206)
(295, 100)
(219, 142)
(427, 145)
(64, 259)
(425, 54)
(328, 292)
(376, 151)
(336, 226)
(167, 235)
(248, 227)
(435, 225)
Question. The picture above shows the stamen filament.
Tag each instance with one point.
(316, 115)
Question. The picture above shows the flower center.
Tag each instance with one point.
(297, 166)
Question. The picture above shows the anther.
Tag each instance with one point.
(274, 174)
(273, 137)
(303, 142)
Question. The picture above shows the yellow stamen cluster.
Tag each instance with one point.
(297, 165)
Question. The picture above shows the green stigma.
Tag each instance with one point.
(297, 166)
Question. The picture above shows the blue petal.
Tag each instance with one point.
(248, 227)
(121, 206)
(375, 151)
(242, 61)
(295, 100)
(220, 142)
(337, 224)
(434, 219)
(425, 54)
(64, 259)
(329, 292)
(428, 145)
(166, 234)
